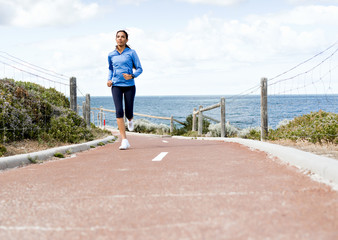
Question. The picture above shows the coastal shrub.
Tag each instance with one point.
(30, 111)
(215, 130)
(315, 127)
(187, 128)
(98, 132)
(284, 122)
(145, 126)
(250, 133)
(22, 115)
(69, 127)
(3, 150)
(50, 95)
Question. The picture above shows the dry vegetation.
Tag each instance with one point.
(328, 150)
(29, 146)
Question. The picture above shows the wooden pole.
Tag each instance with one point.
(200, 121)
(84, 110)
(264, 109)
(87, 118)
(194, 120)
(72, 94)
(101, 113)
(222, 117)
(171, 124)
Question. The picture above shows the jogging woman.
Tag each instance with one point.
(121, 77)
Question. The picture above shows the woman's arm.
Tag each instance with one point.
(110, 72)
(137, 65)
(110, 68)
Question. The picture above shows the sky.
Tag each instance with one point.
(186, 47)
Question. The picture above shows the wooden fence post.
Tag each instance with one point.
(171, 124)
(84, 110)
(264, 109)
(72, 94)
(100, 116)
(222, 117)
(194, 120)
(200, 121)
(87, 118)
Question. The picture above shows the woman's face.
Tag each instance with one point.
(121, 39)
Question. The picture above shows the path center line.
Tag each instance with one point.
(160, 156)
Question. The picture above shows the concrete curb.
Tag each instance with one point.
(22, 159)
(320, 168)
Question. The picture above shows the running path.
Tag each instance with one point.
(165, 188)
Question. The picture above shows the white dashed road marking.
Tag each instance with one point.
(160, 156)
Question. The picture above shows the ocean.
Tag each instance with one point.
(241, 111)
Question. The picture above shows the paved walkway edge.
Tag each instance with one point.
(320, 168)
(22, 159)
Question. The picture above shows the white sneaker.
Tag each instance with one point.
(124, 144)
(130, 125)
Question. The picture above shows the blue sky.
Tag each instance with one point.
(186, 47)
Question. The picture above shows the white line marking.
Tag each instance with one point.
(164, 141)
(160, 156)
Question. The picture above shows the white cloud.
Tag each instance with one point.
(131, 2)
(214, 48)
(215, 2)
(251, 40)
(313, 14)
(303, 2)
(209, 52)
(30, 13)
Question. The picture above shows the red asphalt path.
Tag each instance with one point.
(199, 190)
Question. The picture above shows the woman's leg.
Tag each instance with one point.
(129, 96)
(117, 96)
(122, 127)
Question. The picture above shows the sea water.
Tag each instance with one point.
(241, 111)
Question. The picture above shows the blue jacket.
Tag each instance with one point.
(123, 63)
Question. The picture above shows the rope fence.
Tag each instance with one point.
(99, 116)
(17, 122)
(310, 86)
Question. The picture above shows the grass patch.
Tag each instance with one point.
(3, 150)
(59, 155)
(33, 160)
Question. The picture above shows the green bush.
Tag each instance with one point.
(3, 150)
(215, 130)
(22, 114)
(250, 133)
(50, 95)
(145, 126)
(30, 111)
(316, 127)
(69, 127)
(188, 126)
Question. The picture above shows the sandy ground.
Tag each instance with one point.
(327, 150)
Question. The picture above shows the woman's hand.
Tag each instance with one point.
(109, 83)
(127, 76)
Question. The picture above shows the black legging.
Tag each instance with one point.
(129, 95)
